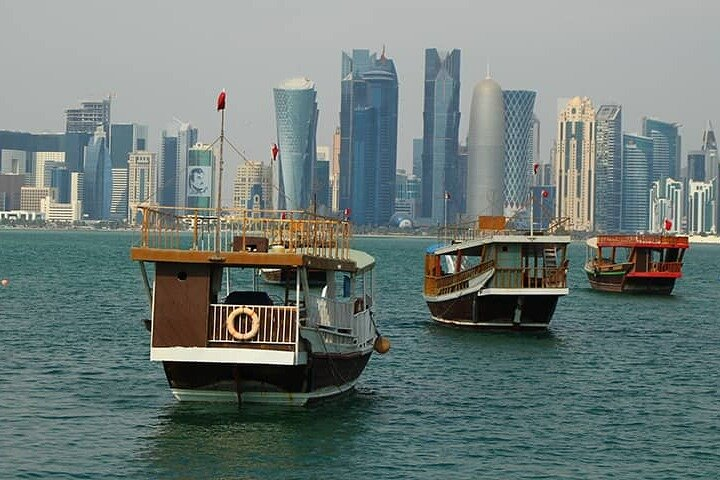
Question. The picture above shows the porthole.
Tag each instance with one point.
(182, 276)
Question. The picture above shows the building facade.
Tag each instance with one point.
(142, 183)
(88, 118)
(252, 188)
(296, 116)
(486, 151)
(441, 123)
(637, 158)
(519, 105)
(368, 136)
(200, 178)
(702, 208)
(667, 203)
(608, 164)
(574, 164)
(666, 148)
(98, 178)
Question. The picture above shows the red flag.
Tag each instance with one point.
(668, 224)
(221, 101)
(535, 168)
(545, 193)
(274, 151)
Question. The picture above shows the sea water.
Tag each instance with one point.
(621, 386)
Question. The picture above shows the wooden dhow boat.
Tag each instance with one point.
(644, 263)
(484, 276)
(221, 337)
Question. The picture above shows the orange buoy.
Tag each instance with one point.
(382, 345)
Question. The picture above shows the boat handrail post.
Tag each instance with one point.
(297, 311)
(195, 230)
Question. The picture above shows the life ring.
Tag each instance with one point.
(230, 323)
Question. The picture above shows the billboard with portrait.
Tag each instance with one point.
(199, 181)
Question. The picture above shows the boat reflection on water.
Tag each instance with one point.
(204, 440)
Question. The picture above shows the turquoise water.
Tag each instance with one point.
(621, 386)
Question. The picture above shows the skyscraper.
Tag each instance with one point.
(702, 207)
(608, 163)
(296, 116)
(709, 146)
(173, 165)
(574, 164)
(486, 150)
(335, 172)
(126, 138)
(667, 202)
(252, 186)
(88, 117)
(167, 170)
(519, 116)
(368, 136)
(200, 179)
(142, 182)
(321, 182)
(441, 122)
(696, 164)
(97, 178)
(637, 160)
(417, 156)
(666, 148)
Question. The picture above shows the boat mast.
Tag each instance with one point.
(218, 209)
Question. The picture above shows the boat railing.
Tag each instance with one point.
(530, 277)
(195, 229)
(278, 324)
(441, 285)
(671, 267)
(647, 239)
(340, 320)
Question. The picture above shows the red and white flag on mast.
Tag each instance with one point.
(221, 101)
(668, 224)
(535, 168)
(274, 151)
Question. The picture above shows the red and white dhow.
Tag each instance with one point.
(224, 336)
(643, 263)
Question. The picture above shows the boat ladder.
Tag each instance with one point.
(550, 257)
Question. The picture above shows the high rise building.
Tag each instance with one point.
(296, 116)
(709, 146)
(127, 138)
(88, 117)
(30, 197)
(321, 182)
(534, 143)
(637, 160)
(702, 208)
(141, 181)
(666, 148)
(417, 157)
(167, 170)
(119, 195)
(335, 172)
(608, 164)
(486, 150)
(252, 186)
(519, 148)
(368, 136)
(696, 163)
(667, 202)
(407, 194)
(173, 165)
(574, 164)
(98, 178)
(60, 181)
(44, 164)
(200, 178)
(10, 191)
(441, 122)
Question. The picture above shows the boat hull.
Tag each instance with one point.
(324, 376)
(629, 284)
(506, 311)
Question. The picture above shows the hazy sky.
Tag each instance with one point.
(162, 60)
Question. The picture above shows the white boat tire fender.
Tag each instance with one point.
(230, 323)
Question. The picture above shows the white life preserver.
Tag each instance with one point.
(230, 323)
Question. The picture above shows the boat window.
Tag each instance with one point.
(182, 276)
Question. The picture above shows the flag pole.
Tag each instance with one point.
(218, 209)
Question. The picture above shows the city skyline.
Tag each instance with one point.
(614, 66)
